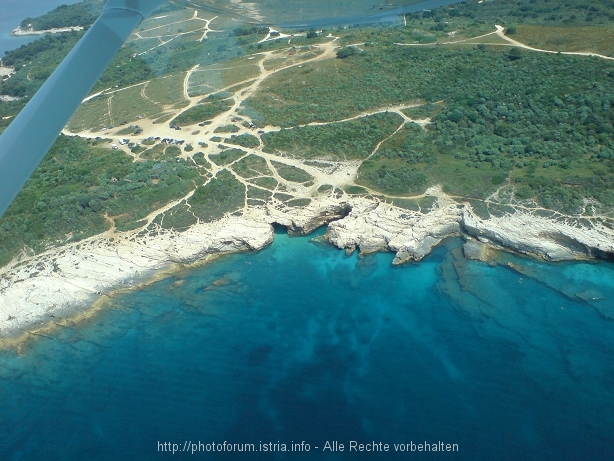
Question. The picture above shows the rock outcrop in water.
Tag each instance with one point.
(373, 226)
(303, 221)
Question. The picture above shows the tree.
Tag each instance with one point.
(514, 54)
(346, 52)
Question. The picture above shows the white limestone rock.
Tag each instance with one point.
(535, 235)
(374, 226)
(304, 220)
(37, 288)
(69, 277)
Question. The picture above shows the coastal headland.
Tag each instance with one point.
(386, 136)
(41, 290)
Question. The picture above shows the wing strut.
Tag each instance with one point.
(28, 138)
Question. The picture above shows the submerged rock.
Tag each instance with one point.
(474, 250)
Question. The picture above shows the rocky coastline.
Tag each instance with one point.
(41, 290)
(20, 32)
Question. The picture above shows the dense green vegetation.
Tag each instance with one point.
(400, 180)
(226, 129)
(220, 195)
(243, 140)
(291, 173)
(227, 156)
(179, 218)
(350, 140)
(200, 160)
(330, 92)
(346, 52)
(577, 12)
(598, 40)
(547, 136)
(251, 166)
(78, 183)
(266, 182)
(124, 70)
(244, 31)
(79, 14)
(493, 123)
(200, 113)
(46, 53)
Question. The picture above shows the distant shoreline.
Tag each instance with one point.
(19, 32)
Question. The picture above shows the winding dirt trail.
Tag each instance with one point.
(336, 173)
(500, 32)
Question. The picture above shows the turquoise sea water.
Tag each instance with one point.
(300, 342)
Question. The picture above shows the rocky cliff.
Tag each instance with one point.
(40, 289)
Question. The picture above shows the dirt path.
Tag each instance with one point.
(207, 24)
(500, 32)
(389, 109)
(454, 42)
(163, 37)
(336, 173)
(186, 82)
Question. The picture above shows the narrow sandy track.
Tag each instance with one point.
(391, 109)
(500, 32)
(338, 173)
(207, 24)
(163, 38)
(186, 82)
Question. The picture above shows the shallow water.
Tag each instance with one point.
(300, 342)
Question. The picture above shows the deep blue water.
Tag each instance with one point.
(300, 342)
(12, 12)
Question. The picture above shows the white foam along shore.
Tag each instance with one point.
(20, 32)
(37, 291)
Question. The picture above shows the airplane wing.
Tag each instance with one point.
(28, 138)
